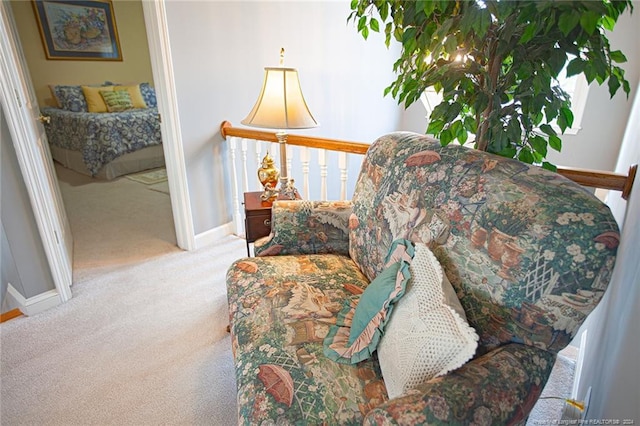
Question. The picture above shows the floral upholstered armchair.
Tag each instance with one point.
(528, 255)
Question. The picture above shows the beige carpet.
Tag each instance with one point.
(143, 341)
(116, 222)
(142, 344)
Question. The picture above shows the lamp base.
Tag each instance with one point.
(287, 191)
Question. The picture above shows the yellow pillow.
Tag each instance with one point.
(135, 94)
(95, 103)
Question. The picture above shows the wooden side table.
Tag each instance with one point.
(257, 217)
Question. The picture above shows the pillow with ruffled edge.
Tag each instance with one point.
(428, 334)
(360, 324)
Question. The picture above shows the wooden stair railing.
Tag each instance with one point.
(590, 178)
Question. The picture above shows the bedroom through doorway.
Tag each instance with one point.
(113, 221)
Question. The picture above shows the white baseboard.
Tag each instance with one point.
(213, 235)
(36, 304)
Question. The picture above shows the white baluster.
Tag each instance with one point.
(237, 221)
(275, 152)
(245, 180)
(322, 162)
(342, 164)
(258, 145)
(304, 159)
(289, 158)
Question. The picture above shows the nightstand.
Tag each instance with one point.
(257, 217)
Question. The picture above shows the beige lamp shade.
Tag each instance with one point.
(280, 104)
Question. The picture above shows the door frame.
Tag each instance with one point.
(155, 18)
(32, 169)
(15, 101)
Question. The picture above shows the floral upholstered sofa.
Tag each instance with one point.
(528, 253)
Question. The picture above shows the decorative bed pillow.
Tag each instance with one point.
(428, 334)
(134, 92)
(69, 98)
(117, 100)
(360, 323)
(95, 102)
(149, 95)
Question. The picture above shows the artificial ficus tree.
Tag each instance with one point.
(497, 64)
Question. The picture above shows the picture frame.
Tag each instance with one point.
(78, 30)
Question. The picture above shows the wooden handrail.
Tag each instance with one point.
(591, 178)
(227, 129)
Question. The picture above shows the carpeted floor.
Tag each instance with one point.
(143, 341)
(142, 344)
(115, 222)
(548, 410)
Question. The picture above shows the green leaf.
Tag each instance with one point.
(539, 145)
(452, 112)
(463, 136)
(354, 4)
(555, 143)
(548, 166)
(589, 21)
(608, 22)
(548, 130)
(375, 26)
(529, 32)
(456, 128)
(365, 32)
(435, 127)
(567, 115)
(568, 21)
(526, 156)
(575, 67)
(614, 85)
(509, 152)
(384, 11)
(481, 25)
(387, 30)
(362, 23)
(446, 137)
(618, 57)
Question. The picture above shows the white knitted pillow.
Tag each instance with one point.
(427, 334)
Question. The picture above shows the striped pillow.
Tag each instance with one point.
(117, 100)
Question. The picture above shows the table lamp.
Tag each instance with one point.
(281, 106)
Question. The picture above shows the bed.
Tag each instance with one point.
(103, 144)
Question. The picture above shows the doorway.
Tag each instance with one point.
(155, 20)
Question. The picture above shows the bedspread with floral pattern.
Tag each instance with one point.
(103, 137)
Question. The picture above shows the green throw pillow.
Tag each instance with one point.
(360, 324)
(117, 100)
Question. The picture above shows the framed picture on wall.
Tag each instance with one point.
(78, 30)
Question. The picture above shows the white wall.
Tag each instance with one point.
(596, 146)
(612, 350)
(219, 51)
